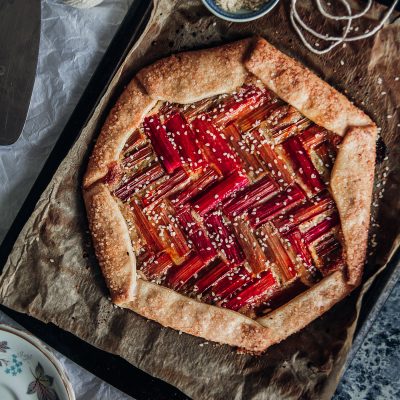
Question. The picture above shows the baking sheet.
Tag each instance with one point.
(52, 273)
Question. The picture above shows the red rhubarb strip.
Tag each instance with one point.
(251, 197)
(208, 177)
(138, 181)
(168, 155)
(231, 282)
(277, 205)
(327, 246)
(276, 250)
(328, 254)
(322, 228)
(252, 249)
(326, 152)
(260, 146)
(191, 111)
(219, 192)
(312, 137)
(303, 165)
(181, 274)
(166, 187)
(305, 212)
(136, 140)
(300, 248)
(253, 119)
(145, 228)
(170, 234)
(254, 166)
(244, 100)
(196, 234)
(224, 239)
(284, 121)
(134, 158)
(262, 287)
(185, 141)
(158, 266)
(212, 277)
(215, 146)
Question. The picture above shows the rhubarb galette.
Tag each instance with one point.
(228, 194)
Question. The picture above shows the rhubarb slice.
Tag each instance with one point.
(145, 228)
(254, 167)
(219, 192)
(181, 274)
(329, 254)
(190, 111)
(136, 158)
(208, 177)
(230, 283)
(168, 155)
(224, 238)
(138, 181)
(285, 121)
(303, 255)
(252, 249)
(321, 229)
(327, 154)
(312, 137)
(260, 146)
(185, 141)
(175, 243)
(303, 165)
(258, 291)
(196, 234)
(254, 119)
(277, 205)
(137, 139)
(318, 205)
(212, 277)
(276, 250)
(327, 246)
(158, 266)
(215, 146)
(244, 100)
(250, 197)
(178, 180)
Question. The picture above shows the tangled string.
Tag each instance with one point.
(298, 23)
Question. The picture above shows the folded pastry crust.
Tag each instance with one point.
(189, 77)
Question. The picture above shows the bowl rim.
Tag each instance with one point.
(240, 17)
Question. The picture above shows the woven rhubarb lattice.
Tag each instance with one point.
(227, 199)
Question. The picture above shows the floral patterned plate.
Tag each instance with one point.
(28, 371)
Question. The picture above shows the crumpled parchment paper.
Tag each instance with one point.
(53, 275)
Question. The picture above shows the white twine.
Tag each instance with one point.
(298, 23)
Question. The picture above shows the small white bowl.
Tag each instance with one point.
(242, 15)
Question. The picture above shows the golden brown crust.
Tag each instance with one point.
(304, 90)
(111, 242)
(123, 119)
(177, 311)
(306, 307)
(351, 185)
(180, 312)
(191, 76)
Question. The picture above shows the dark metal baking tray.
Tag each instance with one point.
(114, 369)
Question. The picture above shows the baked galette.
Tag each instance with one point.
(228, 194)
